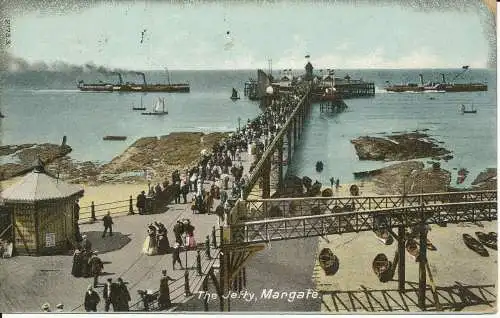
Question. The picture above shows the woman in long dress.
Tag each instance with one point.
(150, 246)
(76, 270)
(190, 242)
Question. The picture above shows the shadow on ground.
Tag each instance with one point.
(107, 243)
(451, 298)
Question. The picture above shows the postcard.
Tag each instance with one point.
(248, 156)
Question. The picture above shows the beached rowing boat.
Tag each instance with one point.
(413, 249)
(328, 261)
(475, 245)
(381, 267)
(488, 240)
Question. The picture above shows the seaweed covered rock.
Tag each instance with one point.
(400, 147)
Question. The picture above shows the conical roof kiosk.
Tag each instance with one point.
(42, 212)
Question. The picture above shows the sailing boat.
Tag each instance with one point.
(159, 108)
(235, 95)
(139, 108)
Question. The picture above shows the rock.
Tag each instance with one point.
(397, 147)
(292, 187)
(20, 158)
(410, 177)
(486, 180)
(327, 193)
(307, 182)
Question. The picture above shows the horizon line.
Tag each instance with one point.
(255, 69)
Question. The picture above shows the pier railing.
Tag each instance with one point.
(258, 209)
(364, 220)
(93, 212)
(97, 211)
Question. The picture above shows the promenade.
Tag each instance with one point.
(27, 282)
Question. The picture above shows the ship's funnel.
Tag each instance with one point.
(143, 77)
(120, 79)
(421, 79)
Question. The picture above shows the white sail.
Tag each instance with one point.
(157, 106)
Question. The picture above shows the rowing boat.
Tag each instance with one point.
(381, 267)
(475, 245)
(487, 240)
(328, 261)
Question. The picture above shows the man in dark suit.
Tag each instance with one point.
(108, 224)
(91, 299)
(96, 267)
(175, 256)
(123, 296)
(141, 202)
(110, 294)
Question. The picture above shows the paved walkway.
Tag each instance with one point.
(27, 282)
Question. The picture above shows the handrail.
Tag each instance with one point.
(106, 203)
(413, 195)
(351, 213)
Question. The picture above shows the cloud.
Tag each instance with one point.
(423, 57)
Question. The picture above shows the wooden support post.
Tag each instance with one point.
(401, 253)
(422, 284)
(198, 263)
(244, 272)
(235, 283)
(130, 206)
(222, 287)
(92, 212)
(205, 289)
(221, 235)
(187, 290)
(214, 237)
(280, 164)
(266, 179)
(289, 150)
(294, 132)
(299, 124)
(207, 247)
(240, 280)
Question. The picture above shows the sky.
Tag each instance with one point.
(246, 35)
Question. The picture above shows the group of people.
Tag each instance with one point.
(86, 263)
(113, 294)
(156, 240)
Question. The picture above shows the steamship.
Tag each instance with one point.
(133, 87)
(440, 87)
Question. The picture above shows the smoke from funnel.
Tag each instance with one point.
(15, 64)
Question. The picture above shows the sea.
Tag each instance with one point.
(44, 106)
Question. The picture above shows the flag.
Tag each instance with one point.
(307, 56)
(465, 67)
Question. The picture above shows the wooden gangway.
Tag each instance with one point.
(274, 229)
(263, 209)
